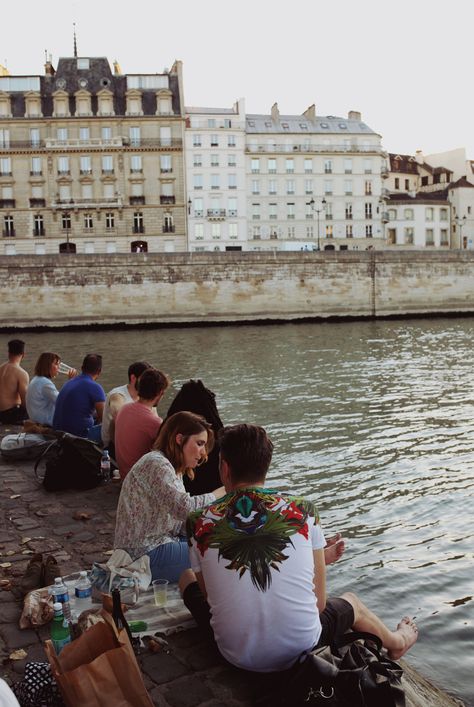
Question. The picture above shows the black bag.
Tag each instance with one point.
(353, 673)
(70, 462)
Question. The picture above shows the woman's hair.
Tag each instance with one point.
(44, 363)
(185, 424)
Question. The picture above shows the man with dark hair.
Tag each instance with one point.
(116, 398)
(80, 402)
(13, 384)
(137, 424)
(258, 576)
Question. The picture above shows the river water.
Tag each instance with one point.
(372, 420)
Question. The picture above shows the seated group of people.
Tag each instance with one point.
(250, 559)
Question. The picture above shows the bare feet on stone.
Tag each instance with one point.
(408, 631)
(334, 549)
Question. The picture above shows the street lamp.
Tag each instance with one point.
(460, 222)
(318, 211)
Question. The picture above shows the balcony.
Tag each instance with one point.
(233, 212)
(137, 200)
(316, 148)
(216, 214)
(104, 203)
(37, 203)
(385, 217)
(73, 143)
(167, 199)
(7, 203)
(166, 170)
(138, 229)
(169, 229)
(108, 172)
(37, 173)
(9, 233)
(38, 232)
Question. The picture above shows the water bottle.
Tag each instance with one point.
(105, 465)
(83, 592)
(61, 594)
(60, 635)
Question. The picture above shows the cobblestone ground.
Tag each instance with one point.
(32, 520)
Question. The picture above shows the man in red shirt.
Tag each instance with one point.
(137, 424)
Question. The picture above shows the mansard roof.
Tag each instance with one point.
(320, 124)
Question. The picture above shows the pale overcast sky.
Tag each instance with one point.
(405, 65)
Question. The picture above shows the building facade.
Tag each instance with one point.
(92, 161)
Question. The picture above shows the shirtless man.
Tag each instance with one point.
(13, 384)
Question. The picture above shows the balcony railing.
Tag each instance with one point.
(137, 200)
(37, 203)
(9, 233)
(314, 147)
(53, 143)
(168, 229)
(138, 229)
(7, 203)
(98, 143)
(167, 199)
(38, 232)
(110, 202)
(216, 214)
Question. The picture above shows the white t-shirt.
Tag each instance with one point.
(107, 417)
(254, 548)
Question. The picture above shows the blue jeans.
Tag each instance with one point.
(169, 560)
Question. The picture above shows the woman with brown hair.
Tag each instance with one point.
(42, 393)
(154, 504)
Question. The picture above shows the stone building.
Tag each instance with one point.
(215, 172)
(314, 182)
(92, 160)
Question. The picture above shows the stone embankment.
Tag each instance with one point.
(190, 288)
(77, 528)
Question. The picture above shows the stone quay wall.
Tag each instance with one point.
(178, 288)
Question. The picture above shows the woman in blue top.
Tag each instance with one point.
(42, 393)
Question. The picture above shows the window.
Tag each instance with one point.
(232, 181)
(34, 137)
(106, 133)
(233, 230)
(409, 236)
(392, 236)
(290, 186)
(165, 136)
(429, 213)
(368, 166)
(408, 214)
(230, 140)
(232, 206)
(392, 214)
(348, 186)
(138, 226)
(368, 188)
(88, 222)
(308, 166)
(231, 160)
(64, 192)
(328, 211)
(83, 63)
(109, 220)
(61, 134)
(443, 214)
(136, 164)
(348, 166)
(66, 222)
(110, 247)
(197, 181)
(215, 181)
(38, 225)
(290, 210)
(424, 181)
(214, 141)
(328, 186)
(197, 141)
(84, 134)
(63, 165)
(329, 231)
(289, 166)
(211, 122)
(429, 236)
(215, 231)
(198, 207)
(309, 232)
(5, 167)
(197, 160)
(36, 168)
(166, 164)
(107, 164)
(272, 186)
(328, 166)
(368, 231)
(86, 190)
(272, 211)
(407, 184)
(85, 164)
(348, 210)
(397, 183)
(368, 209)
(308, 186)
(214, 160)
(444, 236)
(255, 186)
(349, 230)
(255, 211)
(291, 231)
(255, 165)
(135, 136)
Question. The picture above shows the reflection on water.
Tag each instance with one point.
(374, 421)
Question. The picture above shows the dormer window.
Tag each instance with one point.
(83, 103)
(61, 104)
(32, 105)
(83, 64)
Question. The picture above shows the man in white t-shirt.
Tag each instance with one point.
(258, 576)
(118, 397)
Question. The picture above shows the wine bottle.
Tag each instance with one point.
(117, 614)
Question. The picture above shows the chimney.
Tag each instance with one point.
(310, 112)
(419, 156)
(275, 112)
(48, 67)
(354, 115)
(117, 69)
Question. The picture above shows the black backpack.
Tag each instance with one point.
(70, 462)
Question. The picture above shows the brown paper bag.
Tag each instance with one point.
(99, 669)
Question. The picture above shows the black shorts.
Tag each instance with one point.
(197, 604)
(336, 619)
(13, 416)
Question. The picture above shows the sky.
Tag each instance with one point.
(405, 65)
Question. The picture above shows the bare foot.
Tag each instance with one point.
(408, 630)
(334, 549)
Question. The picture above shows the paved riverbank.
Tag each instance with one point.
(77, 528)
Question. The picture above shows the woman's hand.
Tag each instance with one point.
(72, 373)
(218, 493)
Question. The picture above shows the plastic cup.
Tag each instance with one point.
(64, 368)
(160, 591)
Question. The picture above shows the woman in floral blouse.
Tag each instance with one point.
(154, 504)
